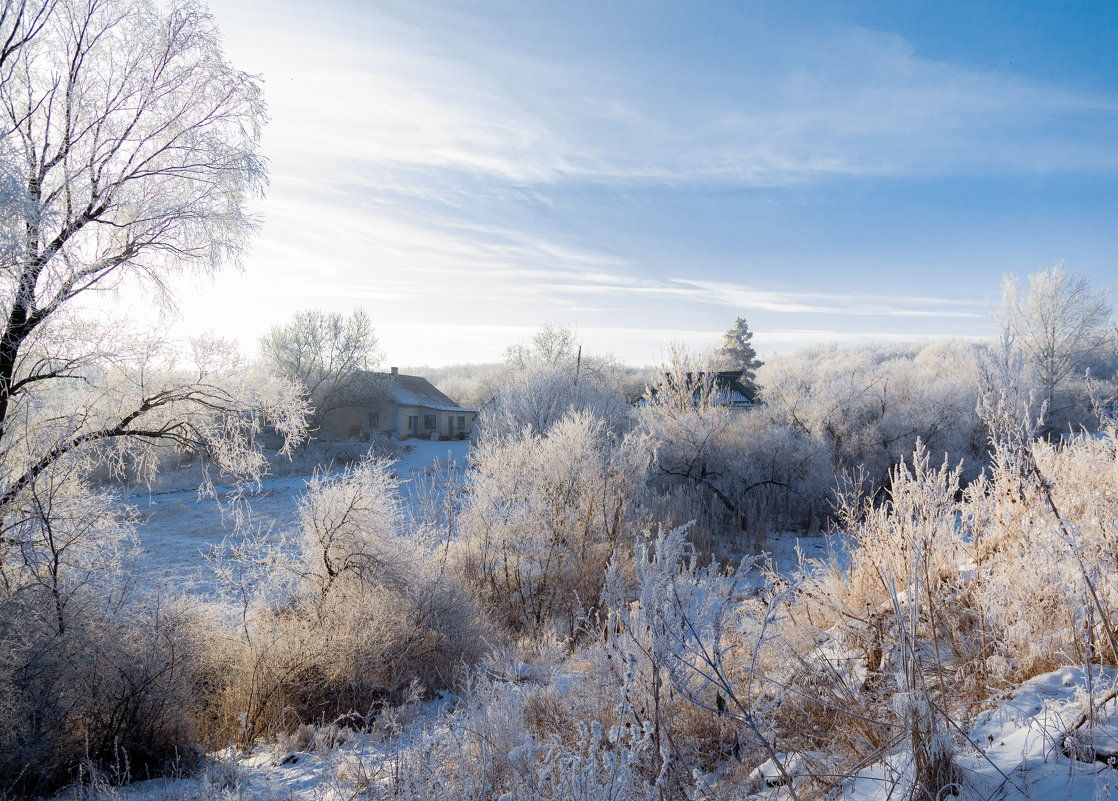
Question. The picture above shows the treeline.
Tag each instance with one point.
(824, 418)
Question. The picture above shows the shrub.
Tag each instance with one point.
(92, 672)
(363, 618)
(116, 692)
(544, 515)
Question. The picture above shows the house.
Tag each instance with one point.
(727, 390)
(398, 406)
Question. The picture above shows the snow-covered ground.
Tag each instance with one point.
(1019, 748)
(298, 770)
(178, 528)
(1016, 749)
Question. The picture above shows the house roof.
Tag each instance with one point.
(413, 390)
(728, 389)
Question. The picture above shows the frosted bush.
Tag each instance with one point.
(543, 516)
(365, 618)
(733, 471)
(483, 751)
(1047, 542)
(351, 526)
(117, 690)
(871, 404)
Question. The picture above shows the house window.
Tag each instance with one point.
(430, 422)
(461, 422)
(374, 421)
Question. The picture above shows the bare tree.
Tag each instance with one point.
(554, 344)
(128, 149)
(548, 377)
(19, 23)
(1058, 324)
(323, 351)
(135, 146)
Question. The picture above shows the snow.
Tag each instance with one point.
(845, 663)
(266, 774)
(178, 528)
(769, 772)
(1016, 749)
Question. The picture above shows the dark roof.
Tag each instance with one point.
(412, 390)
(728, 388)
(731, 390)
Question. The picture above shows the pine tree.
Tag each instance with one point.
(737, 353)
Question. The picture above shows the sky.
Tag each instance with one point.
(646, 172)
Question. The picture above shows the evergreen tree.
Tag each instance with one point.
(737, 353)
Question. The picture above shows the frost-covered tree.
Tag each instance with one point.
(868, 405)
(737, 353)
(553, 344)
(547, 378)
(1059, 324)
(128, 149)
(737, 456)
(130, 146)
(325, 352)
(687, 424)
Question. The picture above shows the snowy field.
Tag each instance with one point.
(178, 528)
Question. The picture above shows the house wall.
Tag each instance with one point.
(443, 422)
(405, 430)
(385, 422)
(352, 422)
(469, 421)
(348, 422)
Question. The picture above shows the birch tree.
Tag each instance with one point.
(129, 147)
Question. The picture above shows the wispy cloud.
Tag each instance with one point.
(426, 161)
(408, 99)
(859, 304)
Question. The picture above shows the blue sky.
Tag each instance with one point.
(646, 172)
